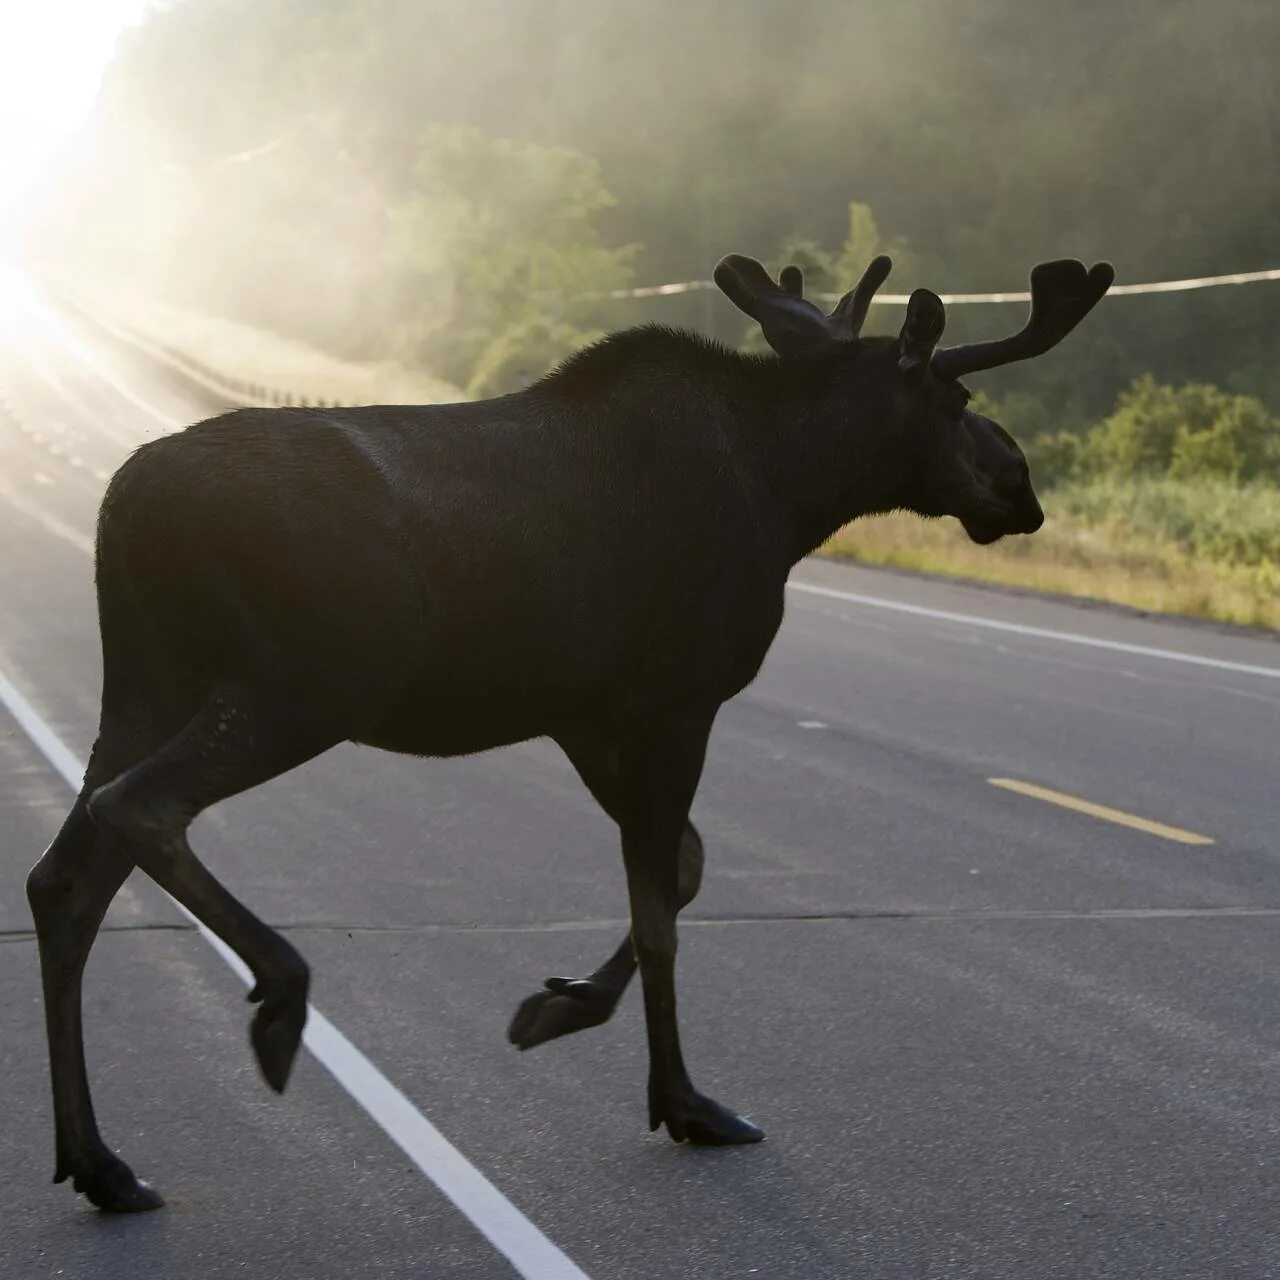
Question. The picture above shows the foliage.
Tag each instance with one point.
(1209, 518)
(1182, 431)
(1209, 549)
(274, 138)
(832, 273)
(503, 237)
(1054, 456)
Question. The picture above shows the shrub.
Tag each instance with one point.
(1183, 432)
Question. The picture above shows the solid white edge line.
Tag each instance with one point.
(1042, 633)
(60, 333)
(54, 750)
(494, 1216)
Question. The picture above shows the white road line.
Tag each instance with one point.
(86, 411)
(503, 1225)
(1041, 633)
(60, 333)
(46, 519)
(29, 720)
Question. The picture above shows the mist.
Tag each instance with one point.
(286, 164)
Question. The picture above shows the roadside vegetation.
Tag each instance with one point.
(1115, 557)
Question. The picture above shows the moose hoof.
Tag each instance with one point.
(704, 1123)
(567, 1005)
(112, 1187)
(275, 1034)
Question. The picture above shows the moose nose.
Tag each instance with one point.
(1033, 517)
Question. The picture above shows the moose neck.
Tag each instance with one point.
(825, 450)
(812, 441)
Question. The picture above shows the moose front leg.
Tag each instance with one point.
(566, 1005)
(659, 774)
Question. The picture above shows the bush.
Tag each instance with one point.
(1054, 459)
(1210, 518)
(1183, 432)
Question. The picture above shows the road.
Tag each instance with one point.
(988, 1035)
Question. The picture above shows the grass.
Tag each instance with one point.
(1204, 549)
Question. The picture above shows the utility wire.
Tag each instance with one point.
(951, 299)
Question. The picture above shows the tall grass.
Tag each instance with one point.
(1236, 526)
(1206, 548)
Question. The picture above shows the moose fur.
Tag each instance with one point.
(599, 559)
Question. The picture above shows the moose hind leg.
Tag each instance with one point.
(238, 740)
(69, 890)
(566, 1005)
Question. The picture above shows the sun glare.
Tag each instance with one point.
(52, 55)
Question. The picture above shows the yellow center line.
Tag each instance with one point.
(1100, 811)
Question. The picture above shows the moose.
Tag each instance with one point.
(599, 558)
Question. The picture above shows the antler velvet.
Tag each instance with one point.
(1062, 294)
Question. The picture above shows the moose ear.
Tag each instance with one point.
(921, 331)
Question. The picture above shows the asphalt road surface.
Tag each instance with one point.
(989, 1032)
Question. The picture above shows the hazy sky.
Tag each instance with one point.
(52, 54)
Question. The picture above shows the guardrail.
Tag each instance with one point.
(235, 391)
(307, 377)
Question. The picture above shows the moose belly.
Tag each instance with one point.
(459, 712)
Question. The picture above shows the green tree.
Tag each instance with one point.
(1196, 429)
(1053, 457)
(832, 274)
(816, 263)
(505, 239)
(1243, 443)
(245, 145)
(862, 242)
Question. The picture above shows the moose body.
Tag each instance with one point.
(482, 573)
(599, 559)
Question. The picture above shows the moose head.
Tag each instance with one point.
(948, 460)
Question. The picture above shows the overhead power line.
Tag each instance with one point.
(951, 299)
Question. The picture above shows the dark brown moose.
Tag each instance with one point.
(599, 559)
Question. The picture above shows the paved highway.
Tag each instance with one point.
(991, 1030)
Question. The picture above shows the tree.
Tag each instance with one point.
(720, 127)
(505, 239)
(1183, 432)
(832, 273)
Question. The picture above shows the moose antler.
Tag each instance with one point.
(852, 309)
(792, 325)
(1062, 294)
